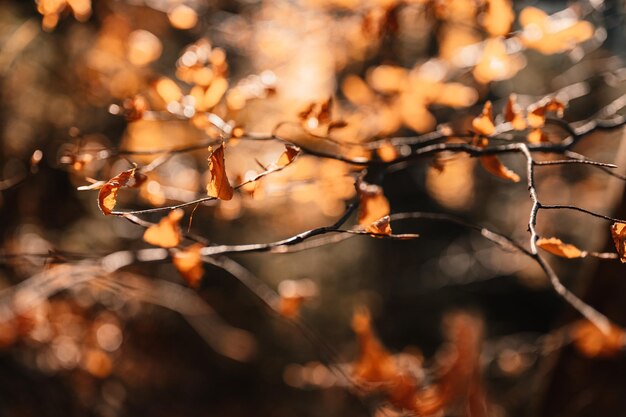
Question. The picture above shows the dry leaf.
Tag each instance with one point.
(513, 113)
(166, 233)
(188, 262)
(287, 157)
(537, 136)
(492, 164)
(591, 342)
(537, 112)
(556, 247)
(107, 197)
(373, 204)
(618, 231)
(483, 124)
(218, 186)
(381, 226)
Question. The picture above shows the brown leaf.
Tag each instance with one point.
(188, 262)
(107, 197)
(538, 111)
(166, 233)
(618, 231)
(218, 186)
(483, 124)
(492, 164)
(592, 342)
(513, 113)
(287, 157)
(373, 204)
(537, 136)
(556, 247)
(381, 226)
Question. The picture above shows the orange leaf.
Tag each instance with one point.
(166, 233)
(591, 342)
(381, 226)
(556, 247)
(618, 231)
(218, 186)
(188, 262)
(492, 164)
(374, 204)
(483, 124)
(537, 136)
(537, 112)
(107, 197)
(498, 17)
(288, 156)
(513, 114)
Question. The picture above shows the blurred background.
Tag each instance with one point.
(80, 78)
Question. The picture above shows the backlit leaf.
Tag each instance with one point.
(483, 124)
(373, 204)
(166, 233)
(513, 114)
(218, 186)
(107, 197)
(557, 247)
(618, 232)
(188, 262)
(287, 157)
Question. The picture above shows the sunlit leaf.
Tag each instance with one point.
(483, 124)
(552, 34)
(538, 111)
(287, 157)
(373, 204)
(166, 233)
(494, 166)
(218, 186)
(107, 197)
(188, 262)
(513, 113)
(556, 247)
(381, 226)
(618, 232)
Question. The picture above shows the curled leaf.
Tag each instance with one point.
(287, 157)
(557, 247)
(538, 111)
(483, 124)
(513, 113)
(166, 233)
(537, 136)
(494, 166)
(188, 262)
(374, 205)
(592, 342)
(618, 232)
(381, 226)
(218, 186)
(107, 197)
